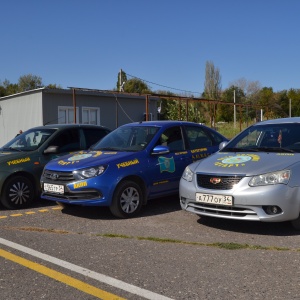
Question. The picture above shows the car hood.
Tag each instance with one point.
(13, 157)
(247, 164)
(86, 159)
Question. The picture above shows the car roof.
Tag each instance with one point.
(280, 121)
(62, 126)
(162, 123)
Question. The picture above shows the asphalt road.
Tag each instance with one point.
(166, 253)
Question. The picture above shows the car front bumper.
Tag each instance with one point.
(249, 203)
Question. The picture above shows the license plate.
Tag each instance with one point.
(54, 188)
(214, 199)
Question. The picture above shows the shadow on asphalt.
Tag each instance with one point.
(154, 207)
(252, 227)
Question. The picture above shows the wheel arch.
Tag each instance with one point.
(139, 181)
(25, 174)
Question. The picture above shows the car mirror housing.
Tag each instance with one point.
(222, 145)
(51, 149)
(160, 150)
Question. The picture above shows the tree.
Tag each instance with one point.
(53, 86)
(212, 87)
(10, 88)
(269, 102)
(136, 86)
(294, 95)
(251, 91)
(29, 82)
(225, 112)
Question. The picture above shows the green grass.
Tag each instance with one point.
(228, 129)
(227, 246)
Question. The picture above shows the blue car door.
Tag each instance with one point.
(165, 170)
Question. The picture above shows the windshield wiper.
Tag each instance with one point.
(235, 149)
(106, 149)
(11, 149)
(275, 149)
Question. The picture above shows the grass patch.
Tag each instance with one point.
(227, 246)
(111, 235)
(228, 129)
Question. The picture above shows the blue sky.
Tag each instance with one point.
(166, 42)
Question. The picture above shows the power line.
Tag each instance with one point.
(162, 85)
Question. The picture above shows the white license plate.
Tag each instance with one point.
(54, 188)
(214, 199)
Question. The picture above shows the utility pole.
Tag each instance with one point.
(290, 107)
(120, 80)
(234, 109)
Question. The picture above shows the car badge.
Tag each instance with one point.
(215, 180)
(54, 176)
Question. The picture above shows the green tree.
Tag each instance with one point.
(54, 86)
(10, 88)
(29, 82)
(2, 91)
(136, 86)
(269, 102)
(294, 95)
(225, 112)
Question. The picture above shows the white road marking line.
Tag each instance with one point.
(86, 272)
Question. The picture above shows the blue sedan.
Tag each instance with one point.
(134, 163)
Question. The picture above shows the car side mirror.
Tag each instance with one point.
(160, 150)
(51, 149)
(222, 145)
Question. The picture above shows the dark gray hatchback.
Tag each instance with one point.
(23, 158)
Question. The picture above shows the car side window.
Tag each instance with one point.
(67, 141)
(198, 137)
(172, 137)
(93, 135)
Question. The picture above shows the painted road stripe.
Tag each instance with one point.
(77, 284)
(31, 212)
(86, 272)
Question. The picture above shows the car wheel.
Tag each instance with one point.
(127, 200)
(296, 223)
(18, 192)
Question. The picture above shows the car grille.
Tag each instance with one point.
(224, 211)
(71, 196)
(210, 181)
(58, 176)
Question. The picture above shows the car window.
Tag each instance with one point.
(127, 138)
(172, 137)
(67, 141)
(268, 136)
(93, 135)
(217, 138)
(198, 137)
(29, 140)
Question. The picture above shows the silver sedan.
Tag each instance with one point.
(255, 177)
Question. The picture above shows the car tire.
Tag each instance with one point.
(18, 192)
(296, 223)
(127, 200)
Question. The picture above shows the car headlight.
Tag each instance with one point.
(90, 172)
(271, 178)
(187, 174)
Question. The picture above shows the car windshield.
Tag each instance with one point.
(29, 140)
(127, 138)
(283, 137)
